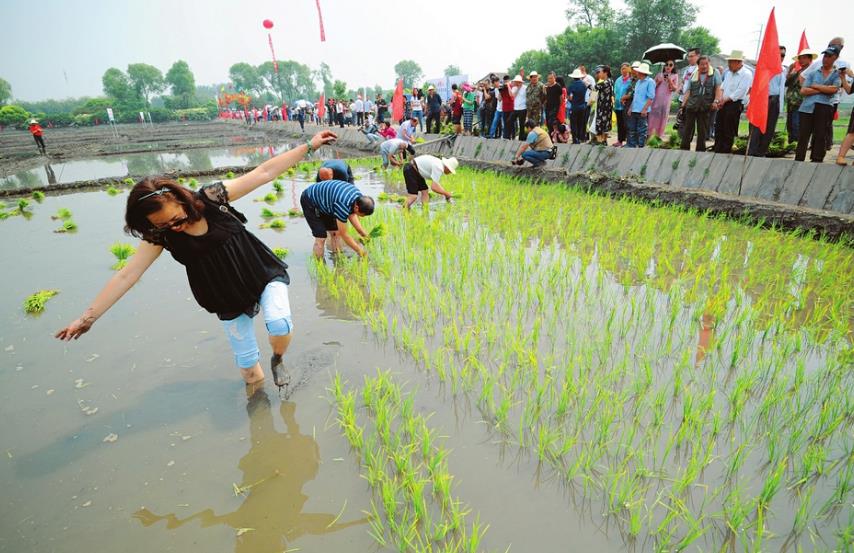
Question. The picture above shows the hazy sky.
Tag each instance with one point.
(60, 48)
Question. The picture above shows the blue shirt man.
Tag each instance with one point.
(336, 169)
(644, 92)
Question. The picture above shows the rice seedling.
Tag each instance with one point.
(128, 181)
(122, 252)
(268, 213)
(281, 253)
(193, 183)
(278, 186)
(38, 196)
(707, 347)
(275, 224)
(229, 175)
(34, 304)
(294, 212)
(61, 214)
(113, 191)
(413, 506)
(68, 225)
(23, 206)
(270, 198)
(181, 180)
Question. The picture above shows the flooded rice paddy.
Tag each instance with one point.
(539, 368)
(44, 172)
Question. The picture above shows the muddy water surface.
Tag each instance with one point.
(175, 458)
(44, 171)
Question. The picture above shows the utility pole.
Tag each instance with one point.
(759, 40)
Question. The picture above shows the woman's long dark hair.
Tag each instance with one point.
(136, 220)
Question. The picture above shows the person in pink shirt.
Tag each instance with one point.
(666, 83)
(386, 131)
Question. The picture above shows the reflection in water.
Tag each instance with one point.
(707, 332)
(51, 176)
(274, 472)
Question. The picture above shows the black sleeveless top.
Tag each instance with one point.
(228, 267)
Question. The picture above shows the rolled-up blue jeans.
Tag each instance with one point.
(277, 316)
(536, 157)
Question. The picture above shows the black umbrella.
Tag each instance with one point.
(664, 52)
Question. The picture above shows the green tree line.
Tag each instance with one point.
(600, 34)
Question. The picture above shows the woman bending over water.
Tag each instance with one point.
(231, 272)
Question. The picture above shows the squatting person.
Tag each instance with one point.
(231, 272)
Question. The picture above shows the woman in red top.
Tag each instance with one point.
(561, 112)
(37, 132)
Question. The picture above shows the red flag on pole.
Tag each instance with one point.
(803, 45)
(320, 17)
(397, 102)
(321, 107)
(767, 66)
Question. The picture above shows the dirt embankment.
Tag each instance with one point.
(18, 150)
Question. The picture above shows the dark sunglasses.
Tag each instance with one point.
(171, 224)
(669, 64)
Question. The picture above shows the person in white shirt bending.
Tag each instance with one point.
(423, 168)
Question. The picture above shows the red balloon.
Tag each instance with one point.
(268, 24)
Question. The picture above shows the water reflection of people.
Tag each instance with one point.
(51, 176)
(707, 332)
(275, 470)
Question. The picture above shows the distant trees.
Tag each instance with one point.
(183, 85)
(146, 81)
(5, 91)
(409, 71)
(598, 33)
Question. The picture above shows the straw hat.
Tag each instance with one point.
(518, 79)
(533, 74)
(451, 163)
(643, 68)
(635, 64)
(805, 52)
(32, 122)
(737, 55)
(577, 74)
(431, 87)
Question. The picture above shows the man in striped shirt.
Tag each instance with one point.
(327, 207)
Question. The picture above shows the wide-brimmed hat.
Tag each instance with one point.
(737, 55)
(518, 79)
(806, 52)
(577, 74)
(32, 122)
(533, 74)
(635, 64)
(467, 87)
(643, 68)
(451, 163)
(431, 87)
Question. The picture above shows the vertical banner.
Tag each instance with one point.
(320, 17)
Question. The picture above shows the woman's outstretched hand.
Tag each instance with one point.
(322, 139)
(76, 329)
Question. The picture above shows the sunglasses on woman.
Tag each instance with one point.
(171, 224)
